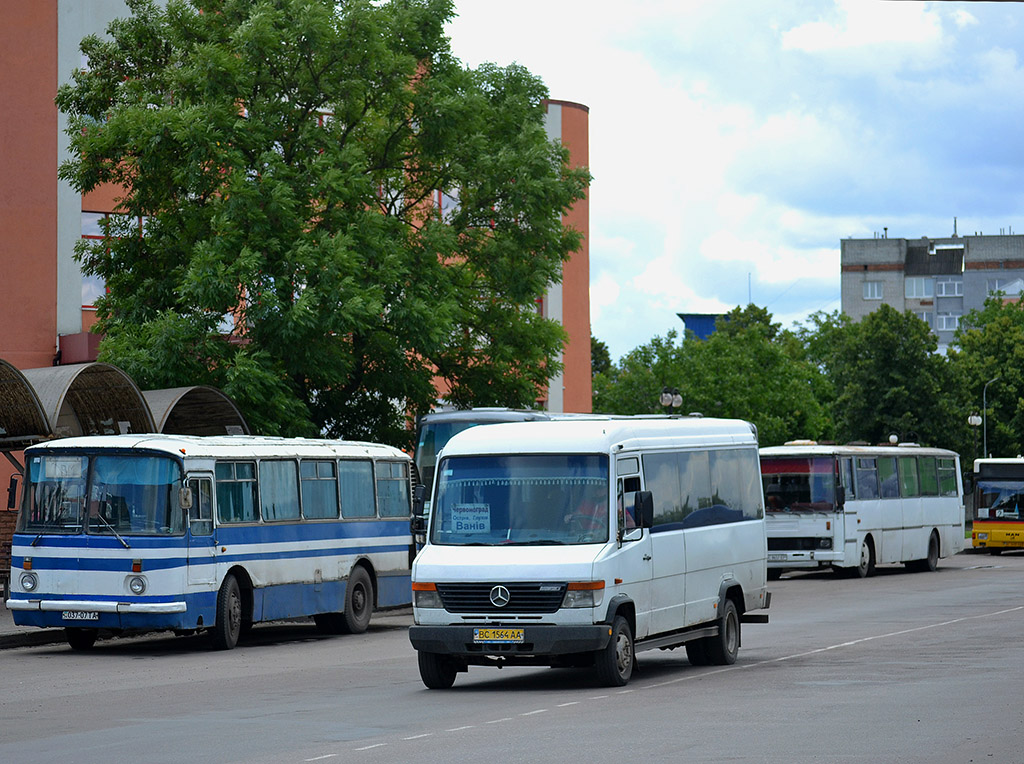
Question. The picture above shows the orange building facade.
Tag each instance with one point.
(45, 302)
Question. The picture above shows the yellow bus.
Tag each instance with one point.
(998, 504)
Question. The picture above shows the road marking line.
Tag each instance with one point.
(417, 737)
(571, 703)
(321, 758)
(368, 747)
(459, 729)
(499, 721)
(538, 711)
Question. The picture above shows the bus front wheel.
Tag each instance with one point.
(358, 601)
(81, 639)
(228, 626)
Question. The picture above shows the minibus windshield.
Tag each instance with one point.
(522, 499)
(803, 484)
(116, 494)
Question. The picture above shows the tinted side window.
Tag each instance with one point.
(236, 492)
(319, 489)
(866, 478)
(279, 490)
(393, 489)
(356, 480)
(735, 481)
(910, 484)
(929, 476)
(661, 478)
(890, 484)
(947, 477)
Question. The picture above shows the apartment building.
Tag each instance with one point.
(938, 279)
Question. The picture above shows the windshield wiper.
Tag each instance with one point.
(103, 520)
(536, 542)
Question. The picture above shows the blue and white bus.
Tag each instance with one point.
(133, 533)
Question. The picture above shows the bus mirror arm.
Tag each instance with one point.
(643, 502)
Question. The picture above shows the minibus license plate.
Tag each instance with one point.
(80, 615)
(776, 558)
(514, 636)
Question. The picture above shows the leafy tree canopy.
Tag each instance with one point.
(989, 347)
(286, 157)
(747, 369)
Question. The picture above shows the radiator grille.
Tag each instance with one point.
(523, 597)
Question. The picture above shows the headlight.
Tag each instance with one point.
(137, 584)
(29, 582)
(824, 543)
(584, 594)
(426, 595)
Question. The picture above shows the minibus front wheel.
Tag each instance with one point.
(615, 662)
(437, 671)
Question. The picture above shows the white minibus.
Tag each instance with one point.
(581, 542)
(852, 507)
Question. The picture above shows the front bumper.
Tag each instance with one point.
(538, 639)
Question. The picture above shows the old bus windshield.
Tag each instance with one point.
(1000, 499)
(121, 495)
(522, 499)
(805, 484)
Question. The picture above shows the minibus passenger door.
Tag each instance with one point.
(201, 548)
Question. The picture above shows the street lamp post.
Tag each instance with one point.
(984, 415)
(670, 399)
(975, 422)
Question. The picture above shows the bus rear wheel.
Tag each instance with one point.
(931, 562)
(81, 639)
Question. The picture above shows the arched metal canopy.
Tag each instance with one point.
(22, 418)
(90, 399)
(197, 410)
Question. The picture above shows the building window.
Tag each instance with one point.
(927, 316)
(919, 288)
(948, 322)
(872, 290)
(950, 288)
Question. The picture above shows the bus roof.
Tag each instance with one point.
(837, 450)
(594, 434)
(224, 446)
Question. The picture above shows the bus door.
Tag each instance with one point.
(201, 547)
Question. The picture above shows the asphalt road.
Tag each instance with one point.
(902, 667)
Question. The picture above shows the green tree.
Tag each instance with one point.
(746, 369)
(283, 155)
(600, 358)
(888, 378)
(989, 345)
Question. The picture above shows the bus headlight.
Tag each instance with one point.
(824, 543)
(29, 581)
(137, 584)
(584, 594)
(426, 595)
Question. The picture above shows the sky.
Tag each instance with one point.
(734, 143)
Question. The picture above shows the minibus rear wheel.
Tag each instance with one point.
(723, 649)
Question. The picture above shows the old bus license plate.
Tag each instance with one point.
(776, 558)
(80, 615)
(513, 636)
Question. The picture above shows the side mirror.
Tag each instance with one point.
(12, 493)
(419, 497)
(185, 497)
(840, 496)
(643, 506)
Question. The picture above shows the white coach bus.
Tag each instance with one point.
(162, 532)
(580, 542)
(852, 507)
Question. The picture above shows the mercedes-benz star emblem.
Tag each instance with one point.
(500, 596)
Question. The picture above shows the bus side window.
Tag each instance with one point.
(626, 493)
(846, 474)
(200, 515)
